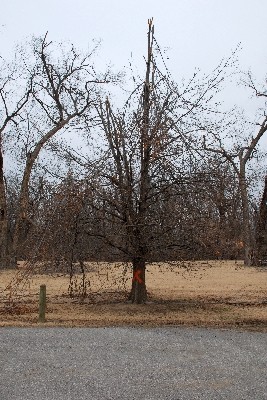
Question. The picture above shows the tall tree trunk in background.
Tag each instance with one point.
(3, 214)
(261, 230)
(247, 237)
(22, 212)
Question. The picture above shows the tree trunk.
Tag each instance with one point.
(261, 230)
(3, 216)
(248, 249)
(22, 205)
(24, 191)
(138, 293)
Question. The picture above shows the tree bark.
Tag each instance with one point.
(3, 215)
(24, 190)
(261, 230)
(138, 293)
(247, 240)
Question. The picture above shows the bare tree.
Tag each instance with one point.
(145, 163)
(12, 103)
(239, 158)
(141, 198)
(261, 230)
(63, 93)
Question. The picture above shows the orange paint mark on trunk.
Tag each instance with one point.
(137, 277)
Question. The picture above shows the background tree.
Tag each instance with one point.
(238, 157)
(15, 90)
(261, 230)
(63, 92)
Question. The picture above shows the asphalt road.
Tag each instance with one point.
(132, 363)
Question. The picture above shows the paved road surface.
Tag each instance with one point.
(132, 363)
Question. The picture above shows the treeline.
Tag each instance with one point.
(198, 217)
(163, 178)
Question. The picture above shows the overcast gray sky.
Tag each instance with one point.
(198, 33)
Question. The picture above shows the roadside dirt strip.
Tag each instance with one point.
(132, 364)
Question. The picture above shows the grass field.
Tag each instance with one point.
(211, 293)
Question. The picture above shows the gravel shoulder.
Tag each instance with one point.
(132, 363)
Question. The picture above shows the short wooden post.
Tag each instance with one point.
(42, 303)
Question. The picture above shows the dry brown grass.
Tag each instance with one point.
(217, 293)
